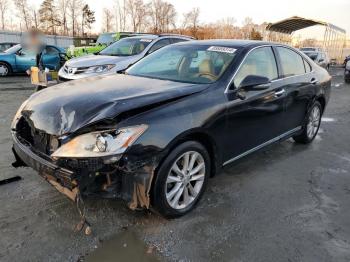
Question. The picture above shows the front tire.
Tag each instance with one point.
(181, 180)
(311, 125)
(5, 69)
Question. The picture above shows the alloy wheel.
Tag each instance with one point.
(185, 180)
(314, 122)
(3, 70)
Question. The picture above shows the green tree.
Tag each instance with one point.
(49, 16)
(88, 18)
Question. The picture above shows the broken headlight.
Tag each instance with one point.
(99, 69)
(99, 144)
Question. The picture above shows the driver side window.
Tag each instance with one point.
(260, 62)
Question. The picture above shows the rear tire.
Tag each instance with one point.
(347, 81)
(5, 69)
(181, 180)
(311, 125)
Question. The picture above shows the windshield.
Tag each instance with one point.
(13, 49)
(105, 38)
(312, 55)
(126, 47)
(185, 63)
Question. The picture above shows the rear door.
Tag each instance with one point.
(298, 83)
(258, 119)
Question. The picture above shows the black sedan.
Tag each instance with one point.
(154, 135)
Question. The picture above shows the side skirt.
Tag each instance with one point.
(278, 138)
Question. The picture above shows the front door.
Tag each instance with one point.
(257, 119)
(25, 60)
(51, 58)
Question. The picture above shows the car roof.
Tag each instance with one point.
(154, 36)
(231, 43)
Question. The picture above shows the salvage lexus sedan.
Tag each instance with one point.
(154, 135)
(117, 57)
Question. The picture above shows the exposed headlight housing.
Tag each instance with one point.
(100, 144)
(99, 69)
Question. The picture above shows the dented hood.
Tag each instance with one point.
(67, 107)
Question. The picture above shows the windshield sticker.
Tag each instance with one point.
(146, 40)
(222, 49)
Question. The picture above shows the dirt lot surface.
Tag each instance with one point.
(287, 202)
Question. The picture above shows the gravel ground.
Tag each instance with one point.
(287, 202)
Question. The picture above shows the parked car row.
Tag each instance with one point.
(155, 132)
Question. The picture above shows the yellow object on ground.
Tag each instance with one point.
(43, 78)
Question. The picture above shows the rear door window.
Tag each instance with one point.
(292, 63)
(308, 67)
(260, 62)
(159, 44)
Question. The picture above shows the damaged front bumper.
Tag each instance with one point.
(62, 179)
(129, 179)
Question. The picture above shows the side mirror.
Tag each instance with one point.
(321, 60)
(255, 83)
(20, 53)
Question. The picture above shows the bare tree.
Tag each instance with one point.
(63, 12)
(120, 15)
(191, 20)
(75, 8)
(107, 20)
(137, 10)
(163, 15)
(35, 17)
(23, 9)
(3, 11)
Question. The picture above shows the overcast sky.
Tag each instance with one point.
(333, 11)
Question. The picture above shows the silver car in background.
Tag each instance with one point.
(317, 55)
(117, 57)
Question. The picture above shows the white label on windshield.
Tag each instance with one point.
(222, 49)
(146, 40)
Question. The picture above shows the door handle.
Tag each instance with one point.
(314, 81)
(279, 93)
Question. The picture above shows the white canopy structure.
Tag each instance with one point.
(334, 37)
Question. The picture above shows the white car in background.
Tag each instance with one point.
(117, 57)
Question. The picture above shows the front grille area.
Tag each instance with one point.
(74, 70)
(39, 140)
(88, 165)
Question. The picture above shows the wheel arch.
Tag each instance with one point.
(322, 100)
(201, 137)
